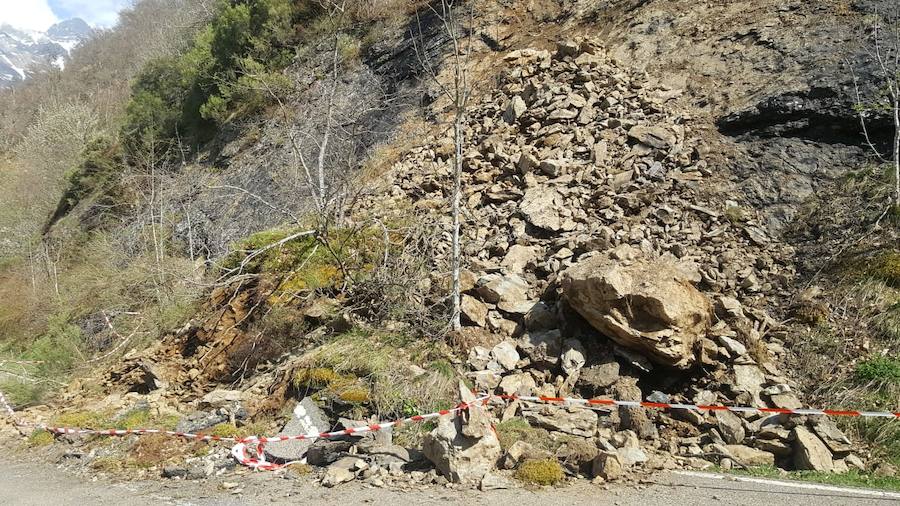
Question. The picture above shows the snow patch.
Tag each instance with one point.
(17, 70)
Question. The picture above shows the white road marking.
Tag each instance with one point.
(792, 484)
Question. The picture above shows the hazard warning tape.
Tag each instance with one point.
(241, 451)
(250, 451)
(700, 407)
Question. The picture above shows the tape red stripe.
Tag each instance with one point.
(604, 402)
(417, 418)
(714, 408)
(840, 413)
(552, 399)
(444, 412)
(782, 411)
(658, 405)
(349, 431)
(375, 427)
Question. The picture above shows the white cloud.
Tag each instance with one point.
(27, 14)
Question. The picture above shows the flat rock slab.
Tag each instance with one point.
(308, 419)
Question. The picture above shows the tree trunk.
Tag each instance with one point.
(896, 105)
(457, 189)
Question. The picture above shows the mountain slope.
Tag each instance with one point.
(22, 53)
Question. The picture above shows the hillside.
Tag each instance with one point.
(241, 223)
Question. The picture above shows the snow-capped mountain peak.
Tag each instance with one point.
(24, 53)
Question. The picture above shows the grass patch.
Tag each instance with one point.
(231, 430)
(81, 419)
(880, 370)
(540, 472)
(886, 267)
(518, 429)
(40, 437)
(374, 369)
(851, 478)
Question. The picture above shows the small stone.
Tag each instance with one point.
(734, 347)
(573, 358)
(473, 310)
(514, 110)
(341, 471)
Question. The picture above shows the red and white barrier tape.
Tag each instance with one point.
(241, 452)
(701, 407)
(242, 449)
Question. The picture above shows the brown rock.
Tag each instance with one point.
(647, 305)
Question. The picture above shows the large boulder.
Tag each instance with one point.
(463, 448)
(307, 419)
(810, 453)
(646, 304)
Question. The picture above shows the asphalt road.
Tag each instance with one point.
(28, 484)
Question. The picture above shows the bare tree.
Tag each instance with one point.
(458, 94)
(882, 48)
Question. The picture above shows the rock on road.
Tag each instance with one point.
(29, 484)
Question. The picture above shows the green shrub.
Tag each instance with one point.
(540, 472)
(184, 98)
(883, 370)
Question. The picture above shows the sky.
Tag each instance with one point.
(41, 14)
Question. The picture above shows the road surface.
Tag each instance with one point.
(29, 484)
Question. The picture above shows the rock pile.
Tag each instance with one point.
(604, 260)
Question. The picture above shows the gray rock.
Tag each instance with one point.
(463, 453)
(599, 376)
(734, 347)
(479, 356)
(832, 436)
(496, 288)
(730, 426)
(542, 347)
(748, 456)
(541, 317)
(491, 481)
(810, 453)
(342, 471)
(657, 396)
(774, 446)
(748, 378)
(570, 420)
(653, 136)
(220, 398)
(541, 206)
(573, 356)
(505, 354)
(514, 110)
(200, 420)
(518, 257)
(307, 419)
(518, 384)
